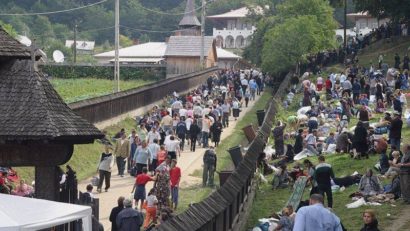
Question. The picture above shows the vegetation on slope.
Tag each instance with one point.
(72, 90)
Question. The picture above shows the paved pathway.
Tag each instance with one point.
(188, 162)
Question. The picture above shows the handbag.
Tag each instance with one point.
(94, 181)
(133, 171)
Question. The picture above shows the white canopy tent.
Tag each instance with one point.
(24, 214)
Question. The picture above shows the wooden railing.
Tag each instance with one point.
(109, 106)
(224, 209)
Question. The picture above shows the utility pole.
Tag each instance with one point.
(202, 59)
(75, 43)
(345, 25)
(117, 46)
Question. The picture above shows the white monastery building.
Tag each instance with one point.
(232, 30)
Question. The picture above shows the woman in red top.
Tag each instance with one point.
(140, 181)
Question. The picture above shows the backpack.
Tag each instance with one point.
(210, 157)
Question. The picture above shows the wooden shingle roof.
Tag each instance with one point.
(188, 46)
(189, 18)
(10, 47)
(30, 108)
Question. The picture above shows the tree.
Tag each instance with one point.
(125, 41)
(374, 7)
(9, 29)
(252, 52)
(317, 8)
(397, 10)
(288, 43)
(277, 57)
(144, 38)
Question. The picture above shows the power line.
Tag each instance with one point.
(175, 14)
(56, 12)
(156, 31)
(166, 13)
(62, 34)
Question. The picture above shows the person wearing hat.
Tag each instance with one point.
(104, 168)
(395, 130)
(129, 218)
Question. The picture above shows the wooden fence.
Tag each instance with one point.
(109, 106)
(224, 209)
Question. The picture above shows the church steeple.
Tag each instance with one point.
(189, 25)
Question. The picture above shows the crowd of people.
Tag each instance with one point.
(151, 151)
(358, 111)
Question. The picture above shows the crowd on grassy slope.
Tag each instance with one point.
(358, 112)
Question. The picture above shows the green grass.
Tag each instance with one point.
(268, 201)
(85, 157)
(388, 48)
(192, 194)
(197, 193)
(72, 90)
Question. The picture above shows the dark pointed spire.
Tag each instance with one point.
(189, 19)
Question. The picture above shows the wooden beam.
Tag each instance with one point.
(35, 154)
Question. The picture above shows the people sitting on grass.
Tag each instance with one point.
(23, 190)
(285, 222)
(370, 184)
(393, 164)
(280, 178)
(394, 186)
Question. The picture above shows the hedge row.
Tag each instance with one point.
(104, 72)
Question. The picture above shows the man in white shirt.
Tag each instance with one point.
(226, 109)
(206, 125)
(224, 90)
(153, 134)
(172, 147)
(188, 123)
(197, 110)
(182, 113)
(206, 111)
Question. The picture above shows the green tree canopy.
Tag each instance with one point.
(288, 42)
(9, 29)
(397, 10)
(294, 29)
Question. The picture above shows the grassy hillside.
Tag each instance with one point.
(387, 47)
(72, 90)
(268, 201)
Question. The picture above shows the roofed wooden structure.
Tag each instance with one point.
(32, 110)
(10, 47)
(38, 128)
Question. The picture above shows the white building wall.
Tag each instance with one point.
(232, 38)
(371, 23)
